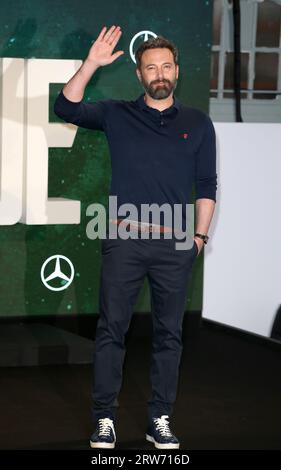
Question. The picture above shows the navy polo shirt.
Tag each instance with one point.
(156, 156)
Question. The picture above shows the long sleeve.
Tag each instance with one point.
(88, 115)
(205, 173)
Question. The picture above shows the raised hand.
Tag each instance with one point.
(101, 51)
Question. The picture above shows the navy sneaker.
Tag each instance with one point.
(104, 436)
(160, 434)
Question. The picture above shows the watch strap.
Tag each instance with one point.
(204, 237)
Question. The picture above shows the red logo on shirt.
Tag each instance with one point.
(185, 136)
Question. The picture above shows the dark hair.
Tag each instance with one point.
(154, 43)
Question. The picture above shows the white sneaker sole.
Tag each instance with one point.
(102, 445)
(161, 446)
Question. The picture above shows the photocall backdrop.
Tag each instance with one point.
(63, 31)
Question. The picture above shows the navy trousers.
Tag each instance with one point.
(125, 263)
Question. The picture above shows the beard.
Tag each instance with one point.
(157, 91)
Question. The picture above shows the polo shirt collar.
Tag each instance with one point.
(142, 104)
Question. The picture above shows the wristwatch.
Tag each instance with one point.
(205, 238)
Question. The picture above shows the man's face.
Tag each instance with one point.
(158, 74)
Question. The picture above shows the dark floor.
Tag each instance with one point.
(229, 398)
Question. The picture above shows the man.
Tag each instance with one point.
(158, 149)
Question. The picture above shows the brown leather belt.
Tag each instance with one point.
(142, 226)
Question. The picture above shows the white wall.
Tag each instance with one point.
(242, 269)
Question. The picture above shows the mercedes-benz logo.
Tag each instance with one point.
(146, 35)
(57, 273)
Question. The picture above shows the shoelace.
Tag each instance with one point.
(105, 425)
(163, 426)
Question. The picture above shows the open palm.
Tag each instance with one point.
(101, 51)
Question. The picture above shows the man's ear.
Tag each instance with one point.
(177, 71)
(138, 74)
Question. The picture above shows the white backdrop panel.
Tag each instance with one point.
(242, 270)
